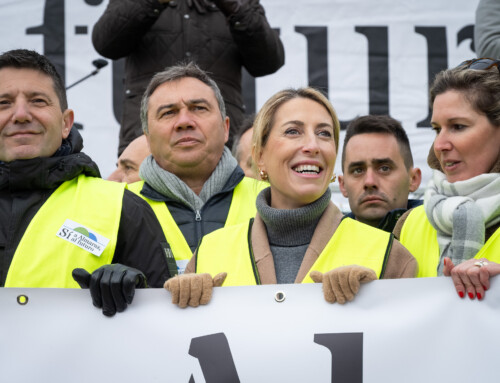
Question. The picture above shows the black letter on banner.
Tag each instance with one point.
(378, 68)
(347, 355)
(248, 88)
(317, 56)
(118, 88)
(437, 59)
(52, 30)
(466, 33)
(214, 355)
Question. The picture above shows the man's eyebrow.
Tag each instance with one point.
(38, 93)
(198, 101)
(125, 162)
(164, 106)
(381, 161)
(30, 94)
(356, 164)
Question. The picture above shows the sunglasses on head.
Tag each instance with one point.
(480, 64)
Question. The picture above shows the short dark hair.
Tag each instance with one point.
(27, 59)
(379, 124)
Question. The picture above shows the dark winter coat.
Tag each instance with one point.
(153, 36)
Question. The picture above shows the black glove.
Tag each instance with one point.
(112, 287)
(228, 7)
(199, 5)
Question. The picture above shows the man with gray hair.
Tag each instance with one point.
(191, 180)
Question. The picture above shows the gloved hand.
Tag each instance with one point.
(199, 5)
(228, 7)
(342, 284)
(112, 287)
(193, 289)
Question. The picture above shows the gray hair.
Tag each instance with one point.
(175, 73)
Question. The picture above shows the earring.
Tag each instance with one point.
(263, 175)
(334, 177)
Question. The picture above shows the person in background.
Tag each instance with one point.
(221, 36)
(457, 230)
(378, 171)
(127, 167)
(242, 147)
(298, 234)
(58, 217)
(487, 29)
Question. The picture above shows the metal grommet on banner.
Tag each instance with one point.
(22, 299)
(279, 296)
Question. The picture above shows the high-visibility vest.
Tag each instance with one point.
(420, 238)
(353, 243)
(241, 210)
(76, 227)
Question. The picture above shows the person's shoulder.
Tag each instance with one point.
(134, 202)
(401, 221)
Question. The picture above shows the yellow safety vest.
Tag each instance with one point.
(241, 210)
(68, 231)
(420, 238)
(353, 243)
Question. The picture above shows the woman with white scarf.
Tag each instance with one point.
(457, 231)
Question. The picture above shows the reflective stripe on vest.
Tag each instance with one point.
(229, 250)
(241, 210)
(43, 259)
(420, 238)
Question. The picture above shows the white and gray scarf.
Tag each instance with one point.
(460, 212)
(169, 185)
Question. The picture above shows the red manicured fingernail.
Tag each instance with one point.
(461, 294)
(444, 262)
(471, 296)
(479, 296)
(485, 289)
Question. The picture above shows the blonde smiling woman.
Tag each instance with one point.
(298, 235)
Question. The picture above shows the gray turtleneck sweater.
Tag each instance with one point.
(290, 232)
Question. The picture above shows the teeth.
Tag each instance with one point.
(307, 169)
(448, 163)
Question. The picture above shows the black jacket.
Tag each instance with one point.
(25, 185)
(212, 216)
(389, 221)
(153, 36)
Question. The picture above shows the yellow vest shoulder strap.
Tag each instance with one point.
(420, 238)
(229, 250)
(354, 243)
(243, 202)
(76, 227)
(180, 248)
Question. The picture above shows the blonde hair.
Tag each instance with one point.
(265, 118)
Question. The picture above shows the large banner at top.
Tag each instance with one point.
(369, 56)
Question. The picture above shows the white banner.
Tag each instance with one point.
(414, 330)
(371, 56)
